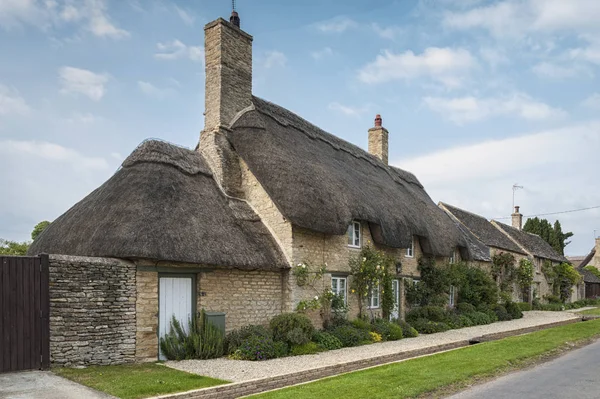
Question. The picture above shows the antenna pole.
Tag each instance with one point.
(515, 187)
(233, 5)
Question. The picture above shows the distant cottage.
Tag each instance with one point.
(219, 228)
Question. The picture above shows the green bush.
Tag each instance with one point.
(203, 340)
(431, 313)
(514, 310)
(524, 306)
(554, 307)
(553, 299)
(350, 335)
(479, 318)
(297, 337)
(425, 326)
(306, 349)
(407, 330)
(582, 303)
(326, 340)
(464, 307)
(281, 349)
(381, 327)
(256, 347)
(395, 332)
(234, 338)
(283, 324)
(501, 313)
(456, 320)
(361, 324)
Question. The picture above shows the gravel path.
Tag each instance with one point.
(241, 370)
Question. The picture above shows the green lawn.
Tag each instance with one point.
(450, 369)
(591, 312)
(137, 380)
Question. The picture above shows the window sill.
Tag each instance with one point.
(409, 256)
(354, 246)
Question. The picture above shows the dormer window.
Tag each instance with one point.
(410, 252)
(354, 238)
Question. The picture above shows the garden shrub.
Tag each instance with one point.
(431, 313)
(281, 349)
(553, 299)
(375, 337)
(256, 347)
(283, 324)
(309, 348)
(297, 337)
(407, 330)
(524, 306)
(395, 332)
(327, 340)
(554, 307)
(361, 324)
(514, 310)
(425, 326)
(465, 307)
(350, 335)
(502, 313)
(234, 338)
(479, 318)
(456, 320)
(203, 340)
(381, 327)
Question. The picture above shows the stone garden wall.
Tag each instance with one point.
(92, 311)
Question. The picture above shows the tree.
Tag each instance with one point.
(553, 235)
(13, 248)
(37, 230)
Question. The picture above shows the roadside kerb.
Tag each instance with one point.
(239, 389)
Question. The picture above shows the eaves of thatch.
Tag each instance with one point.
(477, 249)
(321, 182)
(163, 204)
(532, 243)
(483, 230)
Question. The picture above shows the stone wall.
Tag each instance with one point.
(146, 316)
(92, 311)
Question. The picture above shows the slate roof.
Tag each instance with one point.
(532, 243)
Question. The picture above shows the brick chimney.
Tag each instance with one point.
(228, 58)
(228, 90)
(378, 140)
(517, 219)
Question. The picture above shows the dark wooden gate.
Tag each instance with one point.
(24, 311)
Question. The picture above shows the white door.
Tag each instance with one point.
(175, 300)
(396, 293)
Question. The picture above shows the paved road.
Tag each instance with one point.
(575, 375)
(43, 385)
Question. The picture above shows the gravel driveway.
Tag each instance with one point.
(241, 370)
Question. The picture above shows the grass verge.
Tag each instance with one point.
(133, 381)
(591, 312)
(448, 371)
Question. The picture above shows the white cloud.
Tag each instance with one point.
(275, 59)
(82, 81)
(388, 32)
(446, 65)
(336, 25)
(323, 53)
(593, 101)
(493, 56)
(556, 71)
(348, 110)
(176, 49)
(186, 16)
(11, 102)
(83, 118)
(90, 15)
(462, 110)
(551, 165)
(53, 153)
(152, 91)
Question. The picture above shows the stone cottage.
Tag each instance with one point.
(591, 282)
(219, 228)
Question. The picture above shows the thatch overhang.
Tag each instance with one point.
(532, 243)
(477, 250)
(482, 229)
(321, 182)
(163, 204)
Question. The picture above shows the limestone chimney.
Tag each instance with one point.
(517, 219)
(378, 140)
(228, 58)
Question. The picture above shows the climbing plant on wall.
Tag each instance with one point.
(505, 273)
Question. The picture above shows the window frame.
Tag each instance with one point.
(339, 278)
(371, 297)
(352, 228)
(410, 252)
(451, 296)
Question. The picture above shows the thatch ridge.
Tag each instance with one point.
(477, 249)
(532, 243)
(321, 182)
(483, 229)
(164, 205)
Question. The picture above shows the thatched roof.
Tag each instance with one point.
(163, 204)
(532, 243)
(321, 182)
(477, 250)
(482, 229)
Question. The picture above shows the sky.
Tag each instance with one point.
(477, 95)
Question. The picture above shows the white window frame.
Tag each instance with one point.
(351, 233)
(451, 296)
(371, 297)
(337, 289)
(410, 252)
(452, 259)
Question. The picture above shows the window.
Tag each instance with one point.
(396, 293)
(374, 298)
(338, 286)
(452, 259)
(451, 299)
(354, 235)
(410, 252)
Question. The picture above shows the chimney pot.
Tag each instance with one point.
(235, 18)
(378, 120)
(378, 140)
(517, 209)
(517, 218)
